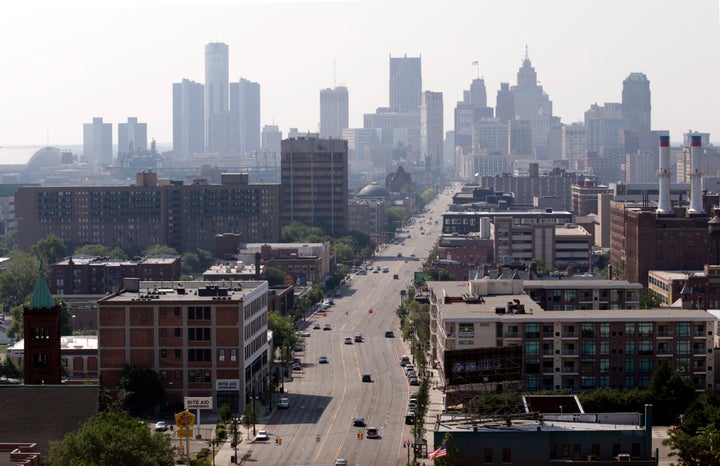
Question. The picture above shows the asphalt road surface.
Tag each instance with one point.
(317, 427)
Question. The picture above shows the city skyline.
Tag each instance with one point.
(121, 60)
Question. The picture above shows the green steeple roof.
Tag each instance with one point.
(41, 297)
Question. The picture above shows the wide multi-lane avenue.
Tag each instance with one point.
(317, 428)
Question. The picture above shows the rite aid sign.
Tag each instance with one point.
(198, 402)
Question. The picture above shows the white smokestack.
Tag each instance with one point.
(695, 176)
(664, 177)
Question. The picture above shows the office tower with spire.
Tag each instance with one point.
(334, 112)
(244, 117)
(188, 119)
(636, 105)
(405, 84)
(431, 133)
(529, 97)
(97, 142)
(216, 97)
(132, 136)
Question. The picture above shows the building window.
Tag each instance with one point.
(644, 381)
(488, 456)
(629, 347)
(588, 347)
(629, 365)
(645, 329)
(532, 330)
(646, 365)
(199, 354)
(177, 333)
(178, 374)
(645, 348)
(199, 313)
(163, 332)
(683, 329)
(233, 354)
(588, 330)
(532, 348)
(163, 375)
(506, 455)
(629, 330)
(221, 355)
(605, 330)
(163, 353)
(178, 353)
(629, 381)
(199, 333)
(604, 365)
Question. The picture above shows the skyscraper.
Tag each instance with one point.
(334, 111)
(504, 103)
(314, 183)
(132, 136)
(188, 119)
(431, 132)
(405, 84)
(271, 139)
(636, 101)
(528, 96)
(469, 112)
(244, 116)
(216, 97)
(97, 142)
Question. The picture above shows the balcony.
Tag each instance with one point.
(569, 352)
(548, 334)
(548, 352)
(569, 370)
(698, 351)
(664, 334)
(699, 334)
(512, 334)
(570, 334)
(663, 352)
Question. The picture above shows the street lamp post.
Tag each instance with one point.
(408, 444)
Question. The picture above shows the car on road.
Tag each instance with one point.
(327, 327)
(298, 347)
(358, 338)
(395, 277)
(316, 326)
(367, 378)
(323, 360)
(372, 432)
(297, 366)
(399, 254)
(410, 417)
(262, 436)
(386, 270)
(284, 403)
(303, 333)
(376, 270)
(404, 360)
(161, 426)
(358, 421)
(341, 462)
(389, 334)
(348, 341)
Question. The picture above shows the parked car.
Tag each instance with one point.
(161, 426)
(414, 381)
(358, 338)
(327, 327)
(297, 366)
(348, 341)
(389, 334)
(262, 435)
(395, 277)
(341, 462)
(316, 326)
(404, 360)
(284, 403)
(303, 333)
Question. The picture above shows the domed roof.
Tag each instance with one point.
(373, 190)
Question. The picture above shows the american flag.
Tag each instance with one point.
(438, 453)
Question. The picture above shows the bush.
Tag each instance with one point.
(220, 432)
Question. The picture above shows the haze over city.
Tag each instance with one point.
(64, 65)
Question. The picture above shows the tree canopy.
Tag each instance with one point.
(51, 249)
(298, 232)
(159, 250)
(113, 438)
(98, 250)
(141, 388)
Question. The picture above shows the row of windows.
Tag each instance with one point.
(589, 330)
(202, 353)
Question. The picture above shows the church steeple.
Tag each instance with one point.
(42, 327)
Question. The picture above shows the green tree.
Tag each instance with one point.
(159, 250)
(648, 299)
(452, 458)
(275, 276)
(51, 249)
(141, 388)
(298, 232)
(692, 448)
(250, 417)
(225, 413)
(195, 263)
(98, 250)
(671, 394)
(113, 438)
(9, 369)
(18, 280)
(394, 216)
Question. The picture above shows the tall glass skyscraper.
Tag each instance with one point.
(334, 112)
(636, 101)
(405, 84)
(216, 97)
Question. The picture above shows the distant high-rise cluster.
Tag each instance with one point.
(228, 113)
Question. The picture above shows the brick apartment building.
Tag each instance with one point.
(150, 212)
(575, 350)
(100, 275)
(202, 338)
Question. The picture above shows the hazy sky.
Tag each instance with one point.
(61, 66)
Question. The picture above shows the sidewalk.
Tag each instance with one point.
(223, 457)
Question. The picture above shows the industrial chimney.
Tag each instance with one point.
(695, 176)
(664, 177)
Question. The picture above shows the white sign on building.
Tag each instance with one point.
(198, 402)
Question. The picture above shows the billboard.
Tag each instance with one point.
(481, 365)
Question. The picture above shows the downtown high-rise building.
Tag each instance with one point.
(271, 139)
(132, 136)
(469, 112)
(188, 119)
(405, 84)
(244, 117)
(431, 132)
(97, 142)
(636, 106)
(217, 122)
(314, 183)
(334, 111)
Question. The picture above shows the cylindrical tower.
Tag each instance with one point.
(696, 173)
(664, 177)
